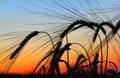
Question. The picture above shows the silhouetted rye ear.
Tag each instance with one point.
(78, 62)
(79, 59)
(81, 22)
(65, 32)
(85, 51)
(62, 50)
(108, 24)
(56, 59)
(95, 59)
(95, 35)
(95, 66)
(22, 44)
(56, 51)
(66, 63)
(117, 27)
(100, 26)
(85, 23)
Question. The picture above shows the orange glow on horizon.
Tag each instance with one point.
(25, 63)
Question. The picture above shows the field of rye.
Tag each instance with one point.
(79, 46)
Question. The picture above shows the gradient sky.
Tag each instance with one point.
(10, 17)
(13, 19)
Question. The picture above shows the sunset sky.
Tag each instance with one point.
(13, 18)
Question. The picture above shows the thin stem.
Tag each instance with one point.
(68, 55)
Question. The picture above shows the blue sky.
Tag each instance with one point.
(11, 19)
